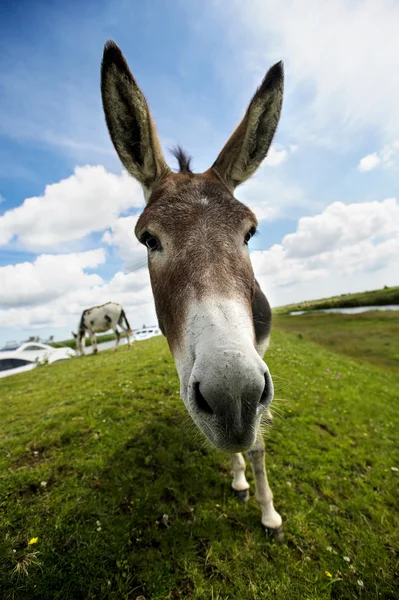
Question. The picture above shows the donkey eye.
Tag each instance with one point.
(150, 241)
(248, 235)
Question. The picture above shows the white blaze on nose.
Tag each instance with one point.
(219, 337)
(221, 323)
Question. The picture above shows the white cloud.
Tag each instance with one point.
(275, 156)
(341, 225)
(38, 306)
(369, 162)
(385, 157)
(137, 282)
(270, 197)
(340, 57)
(89, 200)
(48, 277)
(267, 193)
(342, 245)
(122, 236)
(359, 257)
(278, 154)
(279, 270)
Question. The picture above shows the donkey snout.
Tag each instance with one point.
(222, 400)
(228, 408)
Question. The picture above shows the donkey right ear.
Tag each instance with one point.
(129, 121)
(250, 142)
(74, 335)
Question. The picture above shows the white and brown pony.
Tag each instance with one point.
(99, 319)
(209, 305)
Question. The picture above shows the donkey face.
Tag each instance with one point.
(197, 233)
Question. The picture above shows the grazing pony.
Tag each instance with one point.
(99, 319)
(209, 305)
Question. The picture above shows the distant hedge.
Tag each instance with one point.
(108, 337)
(388, 295)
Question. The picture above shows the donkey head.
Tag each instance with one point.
(197, 235)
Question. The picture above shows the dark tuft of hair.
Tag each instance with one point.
(183, 159)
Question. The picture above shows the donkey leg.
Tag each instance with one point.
(240, 484)
(117, 339)
(93, 342)
(271, 520)
(127, 334)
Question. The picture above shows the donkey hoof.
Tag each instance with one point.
(242, 495)
(276, 533)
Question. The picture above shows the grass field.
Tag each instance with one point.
(95, 451)
(371, 336)
(388, 295)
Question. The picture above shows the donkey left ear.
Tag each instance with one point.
(250, 142)
(129, 120)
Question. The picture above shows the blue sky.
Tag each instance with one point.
(325, 196)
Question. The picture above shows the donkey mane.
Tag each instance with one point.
(183, 159)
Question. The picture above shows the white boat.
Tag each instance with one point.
(146, 332)
(16, 358)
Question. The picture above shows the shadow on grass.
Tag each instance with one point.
(142, 525)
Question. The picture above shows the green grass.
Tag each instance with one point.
(388, 295)
(372, 336)
(111, 439)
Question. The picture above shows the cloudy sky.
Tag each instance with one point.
(326, 196)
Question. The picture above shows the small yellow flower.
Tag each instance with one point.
(33, 541)
(328, 574)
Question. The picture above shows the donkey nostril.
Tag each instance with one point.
(200, 401)
(265, 398)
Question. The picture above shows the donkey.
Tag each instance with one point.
(209, 305)
(99, 319)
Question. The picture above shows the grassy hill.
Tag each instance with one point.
(371, 336)
(388, 295)
(102, 470)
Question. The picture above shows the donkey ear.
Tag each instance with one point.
(250, 142)
(74, 334)
(129, 120)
